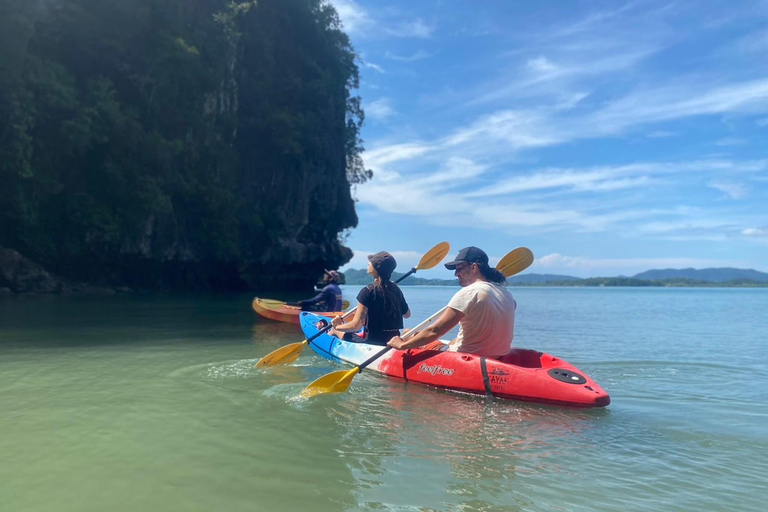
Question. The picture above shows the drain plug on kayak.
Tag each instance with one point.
(566, 376)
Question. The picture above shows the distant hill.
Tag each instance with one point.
(711, 275)
(687, 277)
(540, 279)
(359, 277)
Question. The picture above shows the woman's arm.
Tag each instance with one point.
(354, 324)
(447, 321)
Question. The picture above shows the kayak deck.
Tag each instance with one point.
(279, 311)
(522, 374)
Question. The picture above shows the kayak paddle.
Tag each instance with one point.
(513, 262)
(289, 353)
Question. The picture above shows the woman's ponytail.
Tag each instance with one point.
(492, 274)
(389, 292)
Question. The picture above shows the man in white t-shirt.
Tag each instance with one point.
(484, 308)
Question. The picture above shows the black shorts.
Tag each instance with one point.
(353, 338)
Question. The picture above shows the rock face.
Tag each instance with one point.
(176, 144)
(19, 275)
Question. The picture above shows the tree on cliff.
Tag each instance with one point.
(178, 142)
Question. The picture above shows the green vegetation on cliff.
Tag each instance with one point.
(182, 143)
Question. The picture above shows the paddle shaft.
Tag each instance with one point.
(345, 315)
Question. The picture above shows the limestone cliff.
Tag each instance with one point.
(197, 145)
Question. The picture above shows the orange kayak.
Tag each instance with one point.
(281, 312)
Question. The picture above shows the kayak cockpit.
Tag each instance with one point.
(524, 358)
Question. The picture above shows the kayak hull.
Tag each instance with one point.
(525, 375)
(280, 312)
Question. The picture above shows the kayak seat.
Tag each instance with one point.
(522, 357)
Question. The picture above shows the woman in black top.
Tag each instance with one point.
(380, 306)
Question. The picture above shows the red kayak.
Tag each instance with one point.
(522, 374)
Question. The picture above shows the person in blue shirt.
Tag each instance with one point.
(329, 298)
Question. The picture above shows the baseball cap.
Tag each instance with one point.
(468, 255)
(384, 263)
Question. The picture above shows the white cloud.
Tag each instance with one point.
(606, 79)
(455, 169)
(423, 194)
(514, 129)
(417, 28)
(376, 159)
(558, 263)
(358, 21)
(696, 224)
(755, 42)
(419, 55)
(595, 179)
(682, 101)
(541, 77)
(375, 67)
(504, 131)
(611, 178)
(756, 232)
(380, 109)
(542, 65)
(731, 141)
(353, 17)
(732, 190)
(590, 24)
(552, 199)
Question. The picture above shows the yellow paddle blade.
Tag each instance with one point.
(515, 261)
(335, 382)
(434, 256)
(283, 355)
(345, 304)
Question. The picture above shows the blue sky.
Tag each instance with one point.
(608, 137)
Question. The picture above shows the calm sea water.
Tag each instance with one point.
(150, 403)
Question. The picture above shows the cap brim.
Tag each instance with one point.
(451, 265)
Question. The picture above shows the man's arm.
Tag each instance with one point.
(447, 321)
(314, 300)
(323, 296)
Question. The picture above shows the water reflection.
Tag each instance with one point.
(101, 397)
(438, 448)
(409, 447)
(268, 335)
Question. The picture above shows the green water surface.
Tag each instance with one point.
(126, 403)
